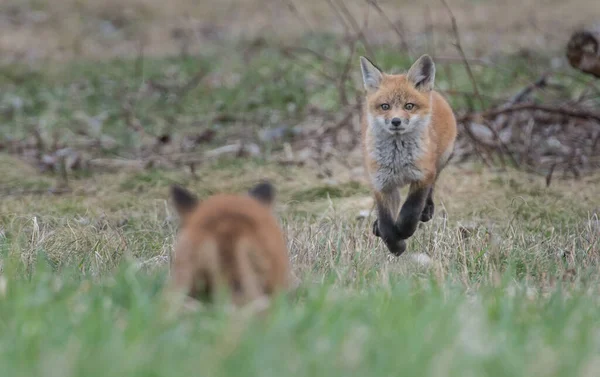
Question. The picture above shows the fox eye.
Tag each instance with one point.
(409, 106)
(385, 106)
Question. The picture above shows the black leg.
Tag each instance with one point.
(429, 209)
(385, 228)
(388, 203)
(376, 229)
(411, 211)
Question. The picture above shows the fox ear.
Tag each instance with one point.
(422, 73)
(372, 75)
(185, 202)
(264, 192)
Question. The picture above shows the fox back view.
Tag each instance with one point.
(232, 242)
(408, 134)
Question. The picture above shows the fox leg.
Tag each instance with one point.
(388, 204)
(387, 210)
(429, 209)
(427, 213)
(412, 209)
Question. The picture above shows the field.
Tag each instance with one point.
(103, 107)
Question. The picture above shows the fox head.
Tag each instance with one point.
(399, 104)
(186, 202)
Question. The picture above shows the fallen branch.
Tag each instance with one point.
(571, 112)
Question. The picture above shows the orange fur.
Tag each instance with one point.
(229, 241)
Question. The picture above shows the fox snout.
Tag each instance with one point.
(396, 124)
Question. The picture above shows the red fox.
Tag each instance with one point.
(229, 241)
(408, 134)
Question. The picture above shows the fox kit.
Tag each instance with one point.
(408, 134)
(232, 242)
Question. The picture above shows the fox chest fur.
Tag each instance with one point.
(394, 160)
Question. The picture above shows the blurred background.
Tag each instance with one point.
(95, 85)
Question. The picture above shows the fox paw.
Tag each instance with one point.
(396, 247)
(427, 213)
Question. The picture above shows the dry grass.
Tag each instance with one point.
(486, 223)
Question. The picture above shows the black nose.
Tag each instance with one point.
(396, 122)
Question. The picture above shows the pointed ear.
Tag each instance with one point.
(422, 73)
(185, 202)
(264, 192)
(372, 75)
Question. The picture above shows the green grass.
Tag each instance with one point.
(56, 325)
(329, 191)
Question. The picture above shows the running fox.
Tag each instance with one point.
(232, 242)
(408, 133)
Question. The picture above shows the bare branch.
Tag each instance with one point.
(397, 30)
(292, 7)
(458, 46)
(355, 26)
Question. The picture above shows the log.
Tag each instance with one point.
(583, 52)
